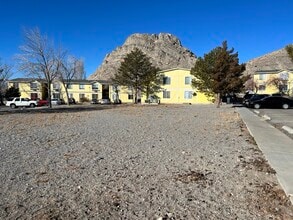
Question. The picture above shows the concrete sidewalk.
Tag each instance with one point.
(276, 146)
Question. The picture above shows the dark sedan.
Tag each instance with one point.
(254, 98)
(273, 102)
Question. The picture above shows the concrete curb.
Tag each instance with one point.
(275, 145)
(288, 129)
(266, 117)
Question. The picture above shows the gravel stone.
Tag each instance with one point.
(135, 162)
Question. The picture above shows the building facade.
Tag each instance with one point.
(274, 81)
(176, 88)
(80, 90)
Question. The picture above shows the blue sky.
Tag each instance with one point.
(90, 29)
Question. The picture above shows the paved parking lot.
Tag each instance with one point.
(278, 117)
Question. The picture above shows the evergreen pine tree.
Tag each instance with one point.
(219, 73)
(136, 71)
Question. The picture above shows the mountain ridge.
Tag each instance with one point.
(165, 51)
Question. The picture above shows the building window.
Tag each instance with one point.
(187, 80)
(56, 95)
(69, 86)
(262, 87)
(95, 86)
(34, 85)
(262, 76)
(188, 94)
(81, 86)
(166, 94)
(284, 75)
(70, 95)
(95, 96)
(16, 85)
(56, 86)
(130, 96)
(166, 80)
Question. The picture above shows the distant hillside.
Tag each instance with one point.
(164, 50)
(277, 60)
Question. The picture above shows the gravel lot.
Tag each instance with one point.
(135, 162)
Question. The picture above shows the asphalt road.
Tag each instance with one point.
(278, 118)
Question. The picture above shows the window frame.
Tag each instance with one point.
(81, 86)
(189, 80)
(188, 94)
(166, 80)
(262, 76)
(33, 85)
(166, 94)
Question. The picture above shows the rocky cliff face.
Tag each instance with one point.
(164, 50)
(277, 60)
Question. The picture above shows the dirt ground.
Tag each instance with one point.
(135, 162)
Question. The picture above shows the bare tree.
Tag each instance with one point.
(72, 68)
(5, 74)
(39, 58)
(251, 85)
(277, 82)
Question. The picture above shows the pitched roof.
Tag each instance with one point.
(73, 80)
(25, 80)
(177, 68)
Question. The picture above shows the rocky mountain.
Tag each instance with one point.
(277, 60)
(164, 50)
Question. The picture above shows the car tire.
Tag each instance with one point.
(32, 105)
(12, 106)
(285, 106)
(256, 106)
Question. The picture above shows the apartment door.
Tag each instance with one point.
(105, 92)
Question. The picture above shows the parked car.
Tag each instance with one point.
(246, 97)
(43, 102)
(21, 102)
(254, 98)
(105, 101)
(95, 101)
(153, 99)
(55, 101)
(273, 102)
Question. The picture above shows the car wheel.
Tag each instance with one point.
(256, 106)
(32, 105)
(285, 106)
(12, 106)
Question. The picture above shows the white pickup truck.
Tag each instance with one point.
(21, 102)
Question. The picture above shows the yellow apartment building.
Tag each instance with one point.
(176, 89)
(29, 88)
(283, 81)
(80, 90)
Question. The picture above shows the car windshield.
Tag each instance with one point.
(258, 97)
